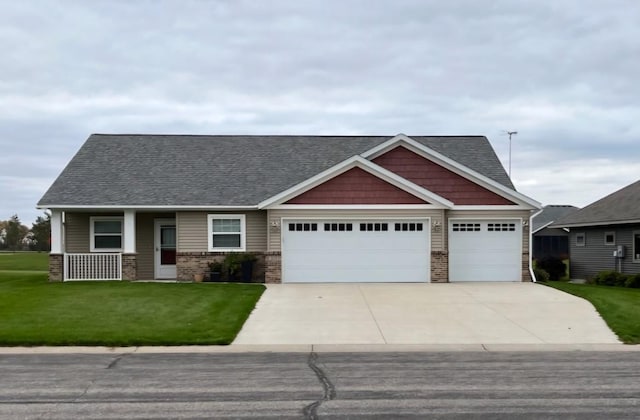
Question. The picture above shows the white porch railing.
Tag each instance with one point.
(93, 266)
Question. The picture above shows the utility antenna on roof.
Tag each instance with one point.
(510, 133)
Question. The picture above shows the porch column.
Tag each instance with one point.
(129, 232)
(57, 246)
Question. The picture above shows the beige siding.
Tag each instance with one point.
(492, 214)
(76, 230)
(193, 230)
(437, 230)
(145, 242)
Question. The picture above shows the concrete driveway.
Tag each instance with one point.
(461, 313)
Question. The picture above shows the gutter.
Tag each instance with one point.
(533, 276)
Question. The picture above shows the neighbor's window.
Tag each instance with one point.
(580, 239)
(636, 246)
(609, 238)
(106, 234)
(226, 232)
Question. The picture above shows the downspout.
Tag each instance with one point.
(533, 276)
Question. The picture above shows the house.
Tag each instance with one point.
(311, 208)
(605, 235)
(549, 241)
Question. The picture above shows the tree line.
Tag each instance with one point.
(14, 236)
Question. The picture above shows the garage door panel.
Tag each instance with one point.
(485, 250)
(357, 255)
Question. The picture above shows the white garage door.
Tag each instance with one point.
(485, 250)
(335, 251)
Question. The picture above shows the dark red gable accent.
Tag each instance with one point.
(356, 186)
(437, 179)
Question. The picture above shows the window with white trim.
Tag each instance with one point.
(636, 246)
(466, 227)
(581, 239)
(106, 233)
(609, 238)
(227, 232)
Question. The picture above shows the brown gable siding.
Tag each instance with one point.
(355, 186)
(437, 179)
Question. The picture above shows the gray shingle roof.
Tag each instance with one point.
(620, 207)
(550, 214)
(188, 170)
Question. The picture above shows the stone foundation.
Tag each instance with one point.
(526, 262)
(439, 267)
(190, 263)
(129, 266)
(273, 267)
(56, 267)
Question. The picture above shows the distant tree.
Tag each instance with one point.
(41, 233)
(15, 233)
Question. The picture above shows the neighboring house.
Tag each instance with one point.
(549, 241)
(607, 227)
(312, 208)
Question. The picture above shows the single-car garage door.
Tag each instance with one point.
(353, 250)
(485, 250)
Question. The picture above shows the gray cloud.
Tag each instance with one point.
(564, 74)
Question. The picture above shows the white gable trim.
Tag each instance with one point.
(453, 166)
(357, 161)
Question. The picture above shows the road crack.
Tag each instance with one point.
(311, 411)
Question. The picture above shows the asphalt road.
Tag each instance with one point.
(330, 385)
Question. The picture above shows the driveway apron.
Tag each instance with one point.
(454, 313)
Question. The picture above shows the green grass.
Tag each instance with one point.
(36, 312)
(24, 261)
(618, 306)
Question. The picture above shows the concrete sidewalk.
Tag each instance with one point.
(423, 314)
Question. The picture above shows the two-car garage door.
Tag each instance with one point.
(354, 250)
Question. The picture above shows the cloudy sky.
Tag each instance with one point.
(564, 74)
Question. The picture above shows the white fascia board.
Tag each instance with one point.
(354, 207)
(127, 207)
(366, 165)
(491, 207)
(453, 166)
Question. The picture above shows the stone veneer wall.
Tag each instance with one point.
(273, 267)
(56, 265)
(190, 263)
(129, 266)
(439, 267)
(526, 274)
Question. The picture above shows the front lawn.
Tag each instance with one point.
(36, 312)
(24, 261)
(618, 306)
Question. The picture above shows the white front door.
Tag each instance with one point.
(355, 250)
(165, 248)
(485, 250)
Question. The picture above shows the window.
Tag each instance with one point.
(581, 239)
(303, 227)
(609, 238)
(501, 227)
(408, 227)
(106, 234)
(374, 227)
(466, 227)
(636, 246)
(226, 232)
(338, 227)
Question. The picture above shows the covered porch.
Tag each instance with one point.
(112, 244)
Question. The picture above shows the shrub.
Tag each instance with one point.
(540, 274)
(610, 278)
(633, 281)
(554, 266)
